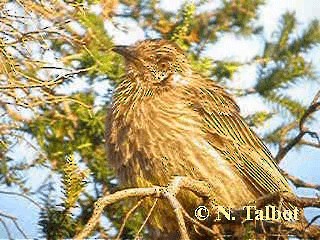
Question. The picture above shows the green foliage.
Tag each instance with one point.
(258, 118)
(284, 74)
(6, 176)
(288, 25)
(287, 46)
(184, 26)
(10, 171)
(56, 224)
(68, 128)
(204, 65)
(282, 101)
(284, 65)
(73, 182)
(216, 70)
(97, 54)
(225, 70)
(309, 39)
(237, 15)
(250, 232)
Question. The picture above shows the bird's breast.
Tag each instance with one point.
(159, 139)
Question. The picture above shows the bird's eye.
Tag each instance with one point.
(163, 65)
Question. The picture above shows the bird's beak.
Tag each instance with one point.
(125, 51)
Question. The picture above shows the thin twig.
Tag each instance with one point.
(146, 219)
(312, 221)
(55, 81)
(127, 217)
(6, 228)
(23, 196)
(19, 228)
(195, 222)
(14, 220)
(7, 216)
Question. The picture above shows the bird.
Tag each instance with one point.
(167, 120)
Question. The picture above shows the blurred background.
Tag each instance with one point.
(57, 75)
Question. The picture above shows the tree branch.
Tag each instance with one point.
(315, 106)
(200, 189)
(113, 198)
(300, 183)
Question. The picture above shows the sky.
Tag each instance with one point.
(302, 163)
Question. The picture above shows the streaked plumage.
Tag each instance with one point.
(168, 120)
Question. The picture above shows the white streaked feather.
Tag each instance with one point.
(179, 80)
(221, 163)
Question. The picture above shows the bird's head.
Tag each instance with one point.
(157, 62)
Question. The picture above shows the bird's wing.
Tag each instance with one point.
(226, 131)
